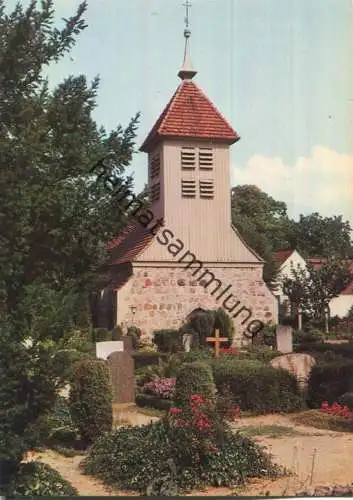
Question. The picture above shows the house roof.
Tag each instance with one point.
(282, 255)
(132, 240)
(190, 114)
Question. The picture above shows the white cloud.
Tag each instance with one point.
(320, 183)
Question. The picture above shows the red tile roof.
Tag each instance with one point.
(190, 114)
(282, 255)
(129, 244)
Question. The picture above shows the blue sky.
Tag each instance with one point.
(281, 71)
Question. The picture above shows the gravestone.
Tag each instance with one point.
(187, 340)
(103, 349)
(284, 339)
(299, 365)
(121, 366)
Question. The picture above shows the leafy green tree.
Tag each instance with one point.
(55, 217)
(313, 289)
(317, 236)
(263, 223)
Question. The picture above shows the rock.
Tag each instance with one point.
(323, 491)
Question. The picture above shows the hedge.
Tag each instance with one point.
(147, 358)
(327, 382)
(91, 399)
(194, 378)
(153, 401)
(257, 387)
(168, 340)
(345, 350)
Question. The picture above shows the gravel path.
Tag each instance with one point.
(316, 457)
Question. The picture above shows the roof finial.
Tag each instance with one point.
(187, 72)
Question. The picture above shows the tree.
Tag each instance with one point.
(312, 289)
(263, 223)
(317, 236)
(55, 217)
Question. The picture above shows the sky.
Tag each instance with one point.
(280, 71)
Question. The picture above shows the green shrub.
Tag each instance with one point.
(202, 324)
(91, 399)
(269, 335)
(327, 382)
(38, 479)
(346, 400)
(146, 374)
(259, 353)
(153, 402)
(308, 337)
(135, 334)
(143, 459)
(100, 335)
(318, 350)
(168, 340)
(256, 387)
(194, 378)
(56, 426)
(148, 358)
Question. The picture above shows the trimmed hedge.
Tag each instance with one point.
(91, 399)
(153, 402)
(147, 358)
(38, 479)
(327, 382)
(257, 387)
(168, 340)
(345, 350)
(194, 378)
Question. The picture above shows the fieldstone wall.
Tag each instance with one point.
(164, 296)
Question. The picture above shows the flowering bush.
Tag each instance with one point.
(337, 410)
(160, 387)
(195, 428)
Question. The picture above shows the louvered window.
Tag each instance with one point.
(205, 158)
(155, 192)
(188, 189)
(155, 166)
(206, 189)
(188, 158)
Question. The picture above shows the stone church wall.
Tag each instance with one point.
(164, 297)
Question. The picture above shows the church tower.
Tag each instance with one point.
(197, 259)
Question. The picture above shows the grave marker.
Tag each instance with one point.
(284, 339)
(104, 349)
(217, 341)
(121, 365)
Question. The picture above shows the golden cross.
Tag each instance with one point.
(217, 340)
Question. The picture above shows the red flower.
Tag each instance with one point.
(196, 398)
(175, 411)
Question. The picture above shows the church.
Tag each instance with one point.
(182, 253)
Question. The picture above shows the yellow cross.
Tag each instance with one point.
(217, 340)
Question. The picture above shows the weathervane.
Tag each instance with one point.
(187, 6)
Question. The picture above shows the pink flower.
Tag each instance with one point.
(175, 411)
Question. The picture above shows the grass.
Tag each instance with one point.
(320, 420)
(271, 431)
